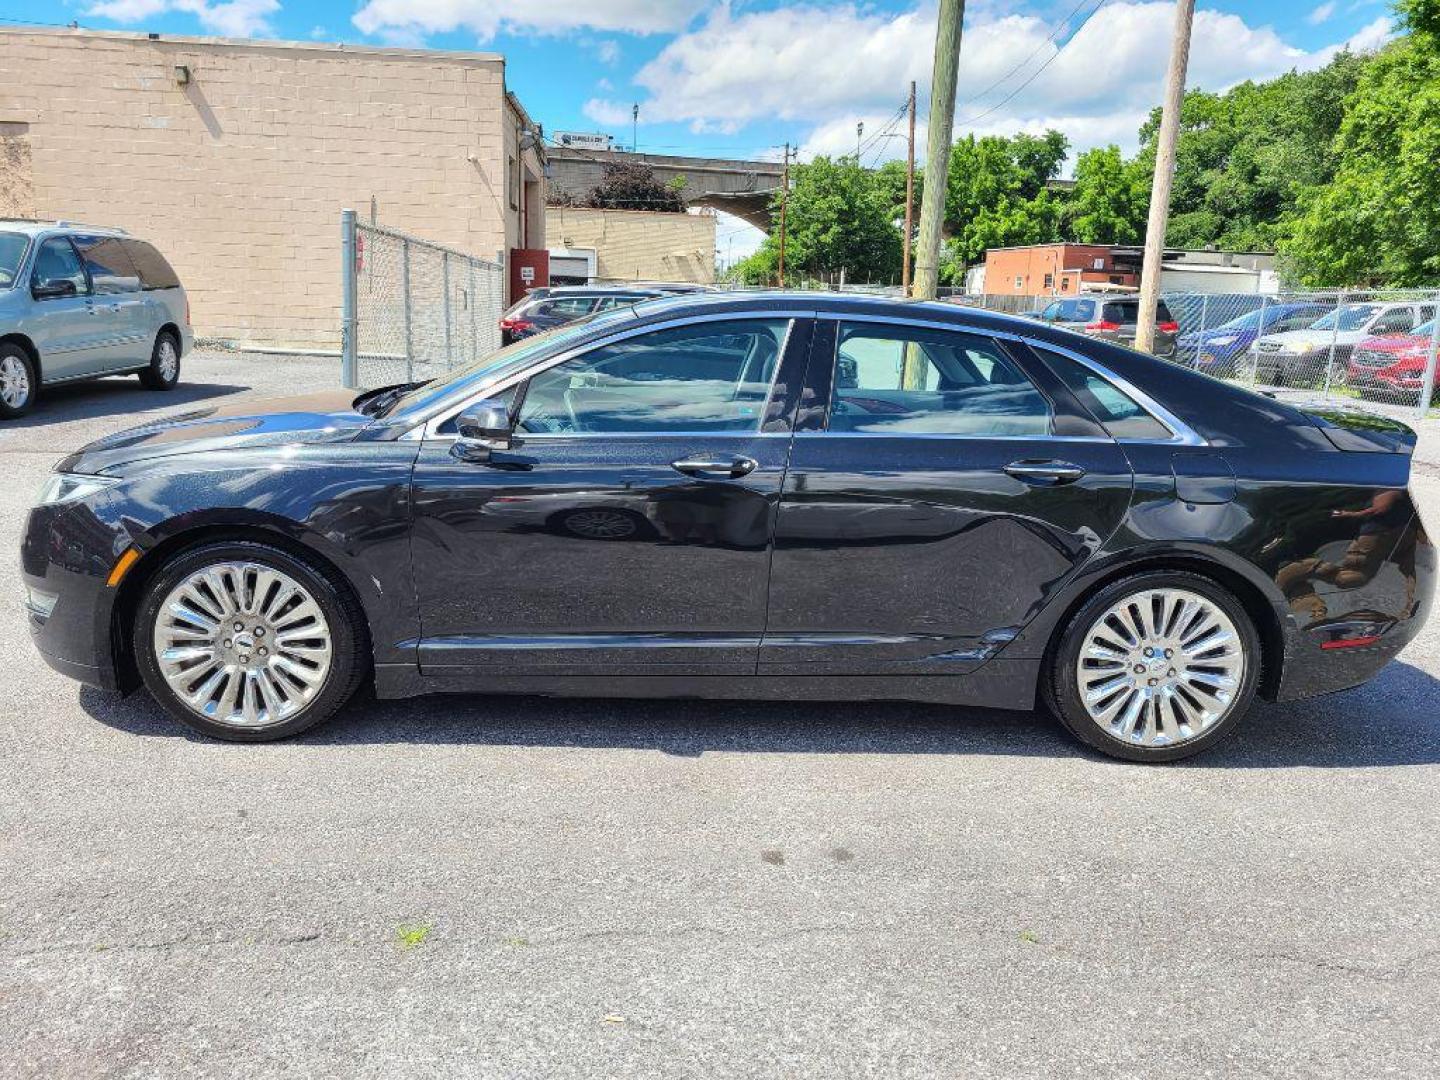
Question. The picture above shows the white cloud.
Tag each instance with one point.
(1322, 13)
(607, 51)
(231, 18)
(744, 65)
(486, 18)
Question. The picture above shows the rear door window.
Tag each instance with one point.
(566, 306)
(1077, 310)
(904, 381)
(154, 270)
(1120, 414)
(108, 263)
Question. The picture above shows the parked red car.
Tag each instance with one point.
(1394, 364)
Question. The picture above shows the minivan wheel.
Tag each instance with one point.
(164, 370)
(18, 382)
(1155, 667)
(245, 642)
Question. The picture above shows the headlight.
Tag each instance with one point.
(71, 487)
(1228, 339)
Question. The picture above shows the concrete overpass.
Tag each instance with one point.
(742, 188)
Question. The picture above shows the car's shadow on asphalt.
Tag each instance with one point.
(117, 395)
(1391, 721)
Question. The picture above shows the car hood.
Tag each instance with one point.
(1395, 343)
(325, 416)
(1315, 339)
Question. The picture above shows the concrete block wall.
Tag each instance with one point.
(633, 245)
(240, 175)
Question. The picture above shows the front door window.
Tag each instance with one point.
(712, 377)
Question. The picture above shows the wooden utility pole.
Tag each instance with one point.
(784, 199)
(909, 198)
(1164, 176)
(937, 146)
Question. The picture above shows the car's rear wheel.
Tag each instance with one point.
(243, 641)
(164, 370)
(18, 381)
(1155, 667)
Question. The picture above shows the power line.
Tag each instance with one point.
(1054, 33)
(1016, 92)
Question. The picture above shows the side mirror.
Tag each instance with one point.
(483, 427)
(47, 290)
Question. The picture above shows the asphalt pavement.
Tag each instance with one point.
(526, 887)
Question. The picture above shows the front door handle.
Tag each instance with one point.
(1056, 472)
(727, 469)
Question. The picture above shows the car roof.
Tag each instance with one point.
(37, 226)
(601, 290)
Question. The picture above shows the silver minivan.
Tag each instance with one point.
(80, 302)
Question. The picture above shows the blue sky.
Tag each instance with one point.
(740, 78)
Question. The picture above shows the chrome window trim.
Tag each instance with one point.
(429, 428)
(1182, 434)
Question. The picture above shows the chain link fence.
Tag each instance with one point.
(1374, 349)
(413, 310)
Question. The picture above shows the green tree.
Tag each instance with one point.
(997, 194)
(1110, 200)
(1378, 221)
(840, 216)
(1245, 157)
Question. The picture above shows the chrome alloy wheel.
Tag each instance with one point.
(1161, 667)
(242, 644)
(167, 360)
(14, 382)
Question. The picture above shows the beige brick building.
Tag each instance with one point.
(236, 157)
(630, 245)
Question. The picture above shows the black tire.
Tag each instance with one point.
(19, 381)
(164, 370)
(342, 612)
(1061, 680)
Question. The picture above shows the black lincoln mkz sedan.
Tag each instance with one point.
(784, 495)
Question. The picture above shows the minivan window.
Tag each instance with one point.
(56, 261)
(930, 382)
(12, 250)
(712, 377)
(110, 267)
(1077, 310)
(155, 272)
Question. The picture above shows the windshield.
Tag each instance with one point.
(12, 250)
(1244, 322)
(1351, 318)
(502, 362)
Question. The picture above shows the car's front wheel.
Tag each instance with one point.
(164, 370)
(18, 381)
(243, 641)
(1155, 667)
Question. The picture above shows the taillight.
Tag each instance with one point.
(516, 326)
(1168, 327)
(1103, 324)
(187, 311)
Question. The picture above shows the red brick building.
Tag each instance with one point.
(1060, 269)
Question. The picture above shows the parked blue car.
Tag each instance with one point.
(1216, 349)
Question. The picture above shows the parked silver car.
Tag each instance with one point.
(79, 302)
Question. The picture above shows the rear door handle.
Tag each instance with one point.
(1057, 472)
(710, 469)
